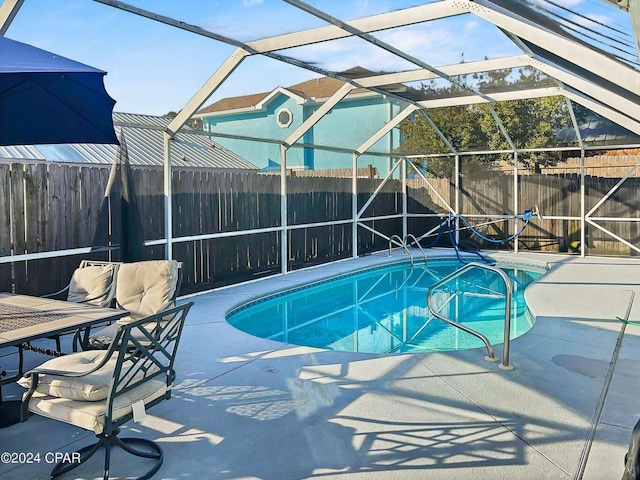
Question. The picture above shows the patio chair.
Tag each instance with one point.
(102, 390)
(93, 282)
(142, 289)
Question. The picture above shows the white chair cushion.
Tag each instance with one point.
(89, 388)
(92, 415)
(89, 282)
(145, 288)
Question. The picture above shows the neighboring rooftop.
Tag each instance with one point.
(598, 130)
(317, 89)
(143, 134)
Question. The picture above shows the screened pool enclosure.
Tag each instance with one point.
(537, 110)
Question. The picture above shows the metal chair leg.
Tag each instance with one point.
(151, 450)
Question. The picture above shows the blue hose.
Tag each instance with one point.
(457, 248)
(493, 240)
(439, 236)
(449, 222)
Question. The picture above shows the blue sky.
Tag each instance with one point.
(153, 68)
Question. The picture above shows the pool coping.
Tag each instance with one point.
(540, 266)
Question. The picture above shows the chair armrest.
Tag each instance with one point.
(65, 373)
(55, 294)
(60, 373)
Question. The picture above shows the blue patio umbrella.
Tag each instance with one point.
(49, 99)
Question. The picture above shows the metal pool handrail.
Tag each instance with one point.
(404, 246)
(507, 313)
(415, 240)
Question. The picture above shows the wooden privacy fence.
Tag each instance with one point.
(556, 196)
(47, 207)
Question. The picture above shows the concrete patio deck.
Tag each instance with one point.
(249, 408)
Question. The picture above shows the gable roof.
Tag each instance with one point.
(233, 103)
(316, 88)
(322, 87)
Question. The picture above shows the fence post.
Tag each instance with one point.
(168, 204)
(403, 171)
(284, 246)
(354, 206)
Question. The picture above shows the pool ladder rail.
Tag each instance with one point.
(405, 246)
(491, 357)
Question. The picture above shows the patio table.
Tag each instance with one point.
(24, 318)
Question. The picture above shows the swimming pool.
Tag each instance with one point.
(384, 310)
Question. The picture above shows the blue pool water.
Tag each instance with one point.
(384, 310)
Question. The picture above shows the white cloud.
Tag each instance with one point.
(471, 25)
(251, 3)
(436, 45)
(569, 3)
(603, 19)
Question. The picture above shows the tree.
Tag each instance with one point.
(193, 123)
(458, 124)
(530, 123)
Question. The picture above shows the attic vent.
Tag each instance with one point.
(284, 117)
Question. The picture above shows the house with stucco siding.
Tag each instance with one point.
(274, 115)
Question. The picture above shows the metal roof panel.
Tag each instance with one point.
(145, 147)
